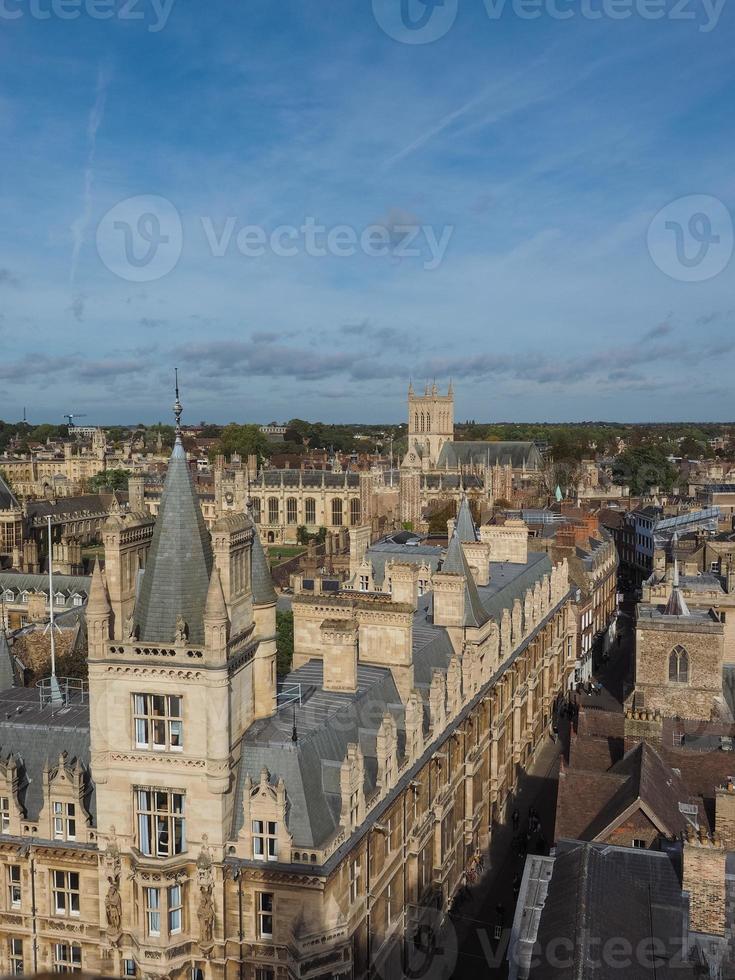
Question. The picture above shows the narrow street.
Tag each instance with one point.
(475, 919)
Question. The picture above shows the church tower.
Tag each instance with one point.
(172, 692)
(430, 422)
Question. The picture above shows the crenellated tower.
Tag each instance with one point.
(430, 421)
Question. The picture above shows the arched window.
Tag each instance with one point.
(291, 510)
(415, 421)
(354, 512)
(679, 666)
(255, 503)
(310, 510)
(337, 511)
(273, 510)
(428, 422)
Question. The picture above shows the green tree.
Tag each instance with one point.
(243, 439)
(284, 641)
(643, 467)
(108, 480)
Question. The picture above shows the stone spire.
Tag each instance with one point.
(178, 569)
(215, 609)
(216, 620)
(98, 602)
(465, 526)
(475, 613)
(263, 591)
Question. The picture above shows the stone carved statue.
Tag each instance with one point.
(113, 906)
(205, 914)
(182, 630)
(131, 630)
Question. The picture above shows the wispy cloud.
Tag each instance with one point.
(81, 222)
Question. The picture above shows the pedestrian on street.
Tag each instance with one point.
(516, 818)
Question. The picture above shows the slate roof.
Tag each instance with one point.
(598, 894)
(8, 500)
(326, 722)
(509, 582)
(517, 454)
(179, 563)
(464, 525)
(305, 478)
(7, 670)
(69, 585)
(262, 583)
(475, 613)
(388, 549)
(93, 504)
(36, 735)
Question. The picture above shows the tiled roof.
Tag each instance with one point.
(262, 583)
(475, 613)
(517, 454)
(8, 499)
(597, 895)
(179, 563)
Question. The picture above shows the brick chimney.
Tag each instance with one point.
(725, 813)
(704, 879)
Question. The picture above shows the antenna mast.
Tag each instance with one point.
(56, 698)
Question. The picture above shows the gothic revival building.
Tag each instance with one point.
(192, 815)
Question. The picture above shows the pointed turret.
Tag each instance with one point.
(475, 613)
(98, 614)
(216, 620)
(263, 592)
(465, 526)
(215, 609)
(175, 583)
(99, 599)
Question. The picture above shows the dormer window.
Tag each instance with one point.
(65, 821)
(5, 814)
(265, 840)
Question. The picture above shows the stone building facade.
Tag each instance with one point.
(193, 816)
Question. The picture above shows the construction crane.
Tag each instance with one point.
(70, 420)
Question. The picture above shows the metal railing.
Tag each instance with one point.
(62, 691)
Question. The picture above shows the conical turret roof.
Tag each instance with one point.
(179, 564)
(215, 609)
(263, 591)
(465, 526)
(475, 613)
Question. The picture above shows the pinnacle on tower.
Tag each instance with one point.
(215, 608)
(99, 599)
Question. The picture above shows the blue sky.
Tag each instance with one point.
(541, 149)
